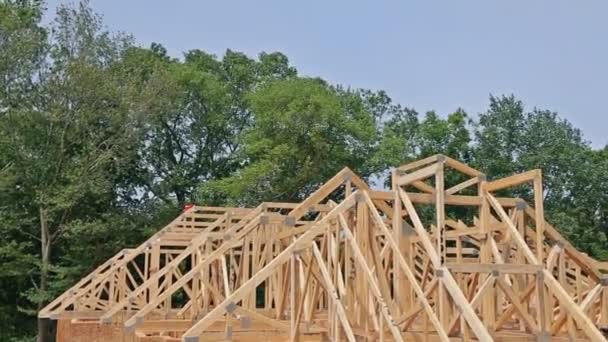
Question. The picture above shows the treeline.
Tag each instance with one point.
(103, 141)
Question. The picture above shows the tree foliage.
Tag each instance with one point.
(303, 132)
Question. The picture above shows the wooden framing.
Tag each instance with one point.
(351, 264)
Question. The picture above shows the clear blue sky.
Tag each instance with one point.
(430, 55)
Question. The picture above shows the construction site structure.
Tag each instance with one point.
(442, 256)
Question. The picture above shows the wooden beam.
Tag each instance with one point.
(490, 268)
(510, 181)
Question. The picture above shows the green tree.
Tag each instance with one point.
(398, 141)
(62, 152)
(304, 131)
(22, 49)
(448, 136)
(194, 113)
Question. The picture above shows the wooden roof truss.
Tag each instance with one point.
(439, 256)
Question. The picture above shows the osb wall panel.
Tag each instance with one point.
(79, 331)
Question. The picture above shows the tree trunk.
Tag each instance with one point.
(45, 255)
(180, 196)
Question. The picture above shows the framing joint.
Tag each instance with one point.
(407, 230)
(347, 177)
(290, 221)
(230, 307)
(264, 219)
(359, 197)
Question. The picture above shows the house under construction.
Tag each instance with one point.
(442, 256)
